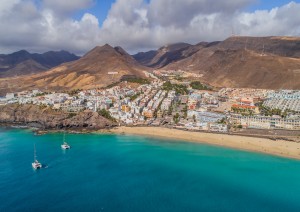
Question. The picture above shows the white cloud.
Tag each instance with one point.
(65, 7)
(283, 20)
(193, 21)
(180, 13)
(136, 24)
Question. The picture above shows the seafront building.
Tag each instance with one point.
(264, 122)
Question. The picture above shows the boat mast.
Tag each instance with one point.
(34, 153)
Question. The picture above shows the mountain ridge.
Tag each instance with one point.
(240, 61)
(256, 62)
(100, 67)
(229, 65)
(23, 63)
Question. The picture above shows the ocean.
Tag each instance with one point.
(134, 173)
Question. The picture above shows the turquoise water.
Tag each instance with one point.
(129, 173)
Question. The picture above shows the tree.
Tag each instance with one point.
(198, 86)
(222, 121)
(179, 89)
(137, 80)
(135, 96)
(176, 118)
(170, 110)
(106, 114)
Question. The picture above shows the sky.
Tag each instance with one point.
(138, 25)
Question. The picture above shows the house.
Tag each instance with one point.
(10, 96)
(125, 108)
(56, 106)
(166, 104)
(218, 128)
(247, 101)
(183, 100)
(148, 113)
(192, 104)
(159, 114)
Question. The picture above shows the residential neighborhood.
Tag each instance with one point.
(162, 103)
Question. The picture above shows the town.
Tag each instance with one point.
(188, 105)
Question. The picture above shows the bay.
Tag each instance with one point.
(134, 173)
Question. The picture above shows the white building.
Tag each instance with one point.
(10, 96)
(265, 122)
(166, 104)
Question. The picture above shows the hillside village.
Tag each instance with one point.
(184, 105)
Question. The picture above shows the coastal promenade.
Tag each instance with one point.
(280, 148)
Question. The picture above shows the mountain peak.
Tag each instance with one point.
(105, 47)
(100, 50)
(20, 53)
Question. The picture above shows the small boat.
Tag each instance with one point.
(65, 145)
(36, 164)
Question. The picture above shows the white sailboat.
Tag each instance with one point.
(36, 164)
(65, 145)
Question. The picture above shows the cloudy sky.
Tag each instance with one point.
(79, 25)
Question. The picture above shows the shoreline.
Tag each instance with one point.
(253, 143)
(282, 148)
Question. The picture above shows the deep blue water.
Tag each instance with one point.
(130, 173)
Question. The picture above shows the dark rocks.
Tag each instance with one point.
(46, 118)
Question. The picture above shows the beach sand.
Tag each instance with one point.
(280, 147)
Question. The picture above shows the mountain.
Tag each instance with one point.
(167, 54)
(258, 62)
(280, 46)
(268, 62)
(24, 63)
(90, 71)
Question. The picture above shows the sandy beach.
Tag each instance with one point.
(280, 147)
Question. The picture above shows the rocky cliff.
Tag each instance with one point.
(46, 118)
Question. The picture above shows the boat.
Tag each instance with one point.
(36, 164)
(65, 145)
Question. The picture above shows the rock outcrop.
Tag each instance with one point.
(46, 118)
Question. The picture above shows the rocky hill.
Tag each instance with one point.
(247, 62)
(243, 68)
(258, 62)
(93, 70)
(46, 118)
(24, 63)
(279, 46)
(167, 54)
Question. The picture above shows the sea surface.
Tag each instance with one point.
(132, 173)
